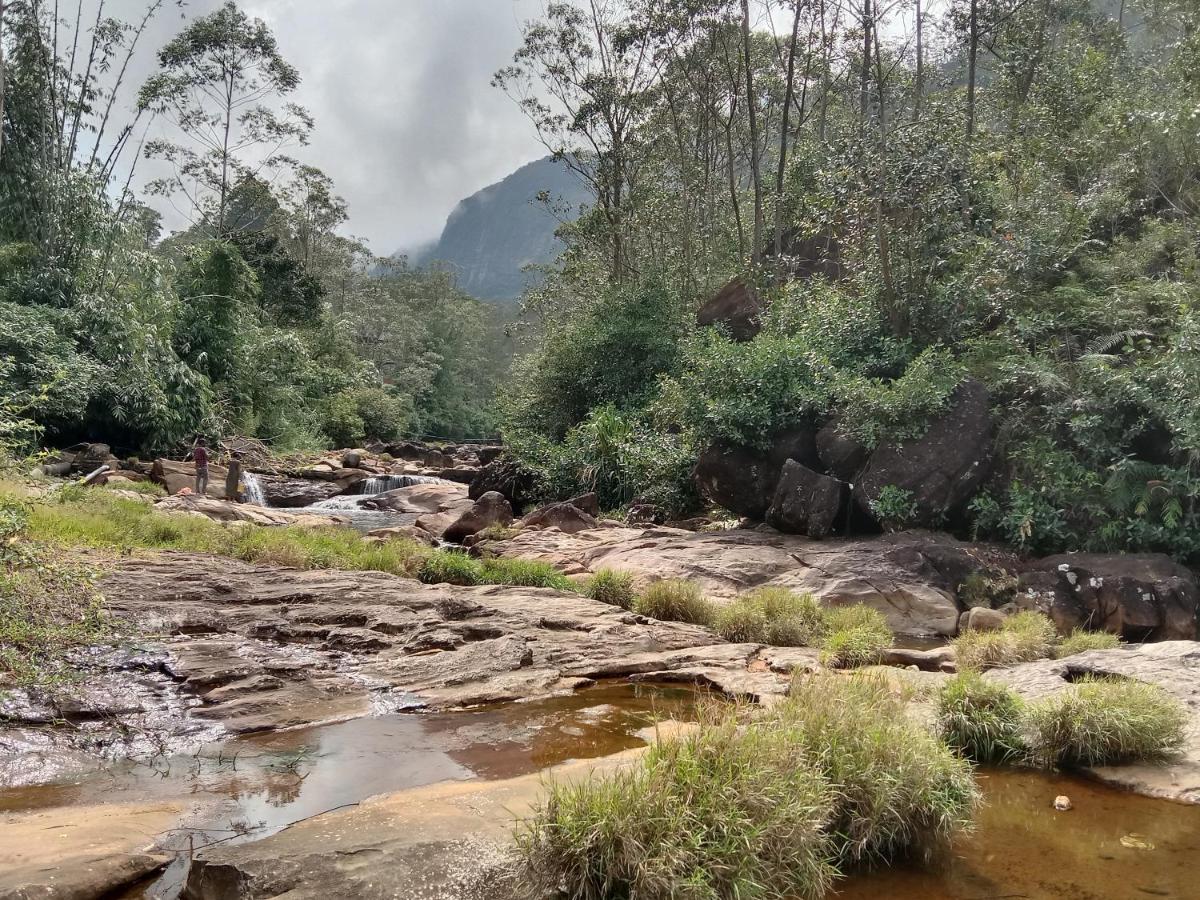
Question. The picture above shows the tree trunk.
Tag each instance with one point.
(789, 90)
(972, 58)
(752, 112)
(919, 89)
(1, 78)
(864, 75)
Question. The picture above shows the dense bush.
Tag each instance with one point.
(611, 587)
(1023, 637)
(853, 636)
(980, 719)
(1080, 641)
(1098, 722)
(773, 616)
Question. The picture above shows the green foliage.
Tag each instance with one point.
(525, 573)
(612, 587)
(853, 636)
(675, 600)
(895, 507)
(833, 777)
(980, 719)
(1023, 637)
(1097, 722)
(774, 616)
(1080, 641)
(450, 567)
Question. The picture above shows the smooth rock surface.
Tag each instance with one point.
(229, 511)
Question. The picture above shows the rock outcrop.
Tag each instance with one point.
(1142, 597)
(229, 511)
(736, 307)
(807, 502)
(490, 509)
(942, 469)
(840, 455)
(566, 517)
(292, 493)
(505, 476)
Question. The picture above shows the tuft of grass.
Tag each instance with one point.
(525, 573)
(836, 775)
(896, 787)
(772, 615)
(498, 532)
(1024, 637)
(853, 636)
(1080, 641)
(611, 587)
(676, 600)
(1100, 722)
(450, 567)
(725, 812)
(980, 719)
(148, 488)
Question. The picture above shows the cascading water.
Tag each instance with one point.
(351, 506)
(378, 484)
(254, 493)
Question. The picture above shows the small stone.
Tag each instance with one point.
(1136, 842)
(1062, 803)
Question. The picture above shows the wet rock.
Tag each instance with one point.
(1171, 665)
(566, 517)
(942, 469)
(1141, 597)
(490, 509)
(291, 493)
(806, 502)
(941, 659)
(736, 307)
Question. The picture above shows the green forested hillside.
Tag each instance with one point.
(1001, 190)
(260, 318)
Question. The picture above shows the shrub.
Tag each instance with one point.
(772, 615)
(1080, 641)
(724, 812)
(1097, 722)
(523, 572)
(895, 786)
(1024, 637)
(450, 567)
(611, 587)
(980, 719)
(853, 636)
(675, 600)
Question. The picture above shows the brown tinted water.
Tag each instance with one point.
(1110, 846)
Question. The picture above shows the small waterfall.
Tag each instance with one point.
(378, 484)
(254, 492)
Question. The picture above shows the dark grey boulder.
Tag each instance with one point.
(807, 502)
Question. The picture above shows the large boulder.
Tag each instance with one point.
(736, 307)
(742, 479)
(806, 502)
(490, 509)
(840, 455)
(488, 454)
(505, 476)
(566, 517)
(942, 469)
(292, 493)
(1142, 597)
(175, 476)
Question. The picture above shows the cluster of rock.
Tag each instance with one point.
(815, 480)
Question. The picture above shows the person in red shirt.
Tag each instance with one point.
(200, 455)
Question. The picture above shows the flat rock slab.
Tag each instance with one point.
(229, 511)
(265, 647)
(892, 574)
(80, 852)
(1172, 665)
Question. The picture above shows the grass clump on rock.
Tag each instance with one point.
(1023, 637)
(834, 776)
(676, 600)
(523, 573)
(771, 615)
(853, 636)
(1100, 722)
(981, 719)
(1080, 641)
(612, 587)
(450, 567)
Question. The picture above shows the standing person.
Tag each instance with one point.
(200, 456)
(233, 477)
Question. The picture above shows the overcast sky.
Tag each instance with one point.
(407, 122)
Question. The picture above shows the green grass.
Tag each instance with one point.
(897, 788)
(676, 600)
(772, 615)
(1080, 641)
(1024, 637)
(450, 567)
(980, 719)
(853, 636)
(1099, 722)
(524, 573)
(611, 587)
(148, 488)
(498, 532)
(834, 776)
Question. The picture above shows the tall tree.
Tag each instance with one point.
(752, 115)
(216, 82)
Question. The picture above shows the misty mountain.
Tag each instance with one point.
(492, 235)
